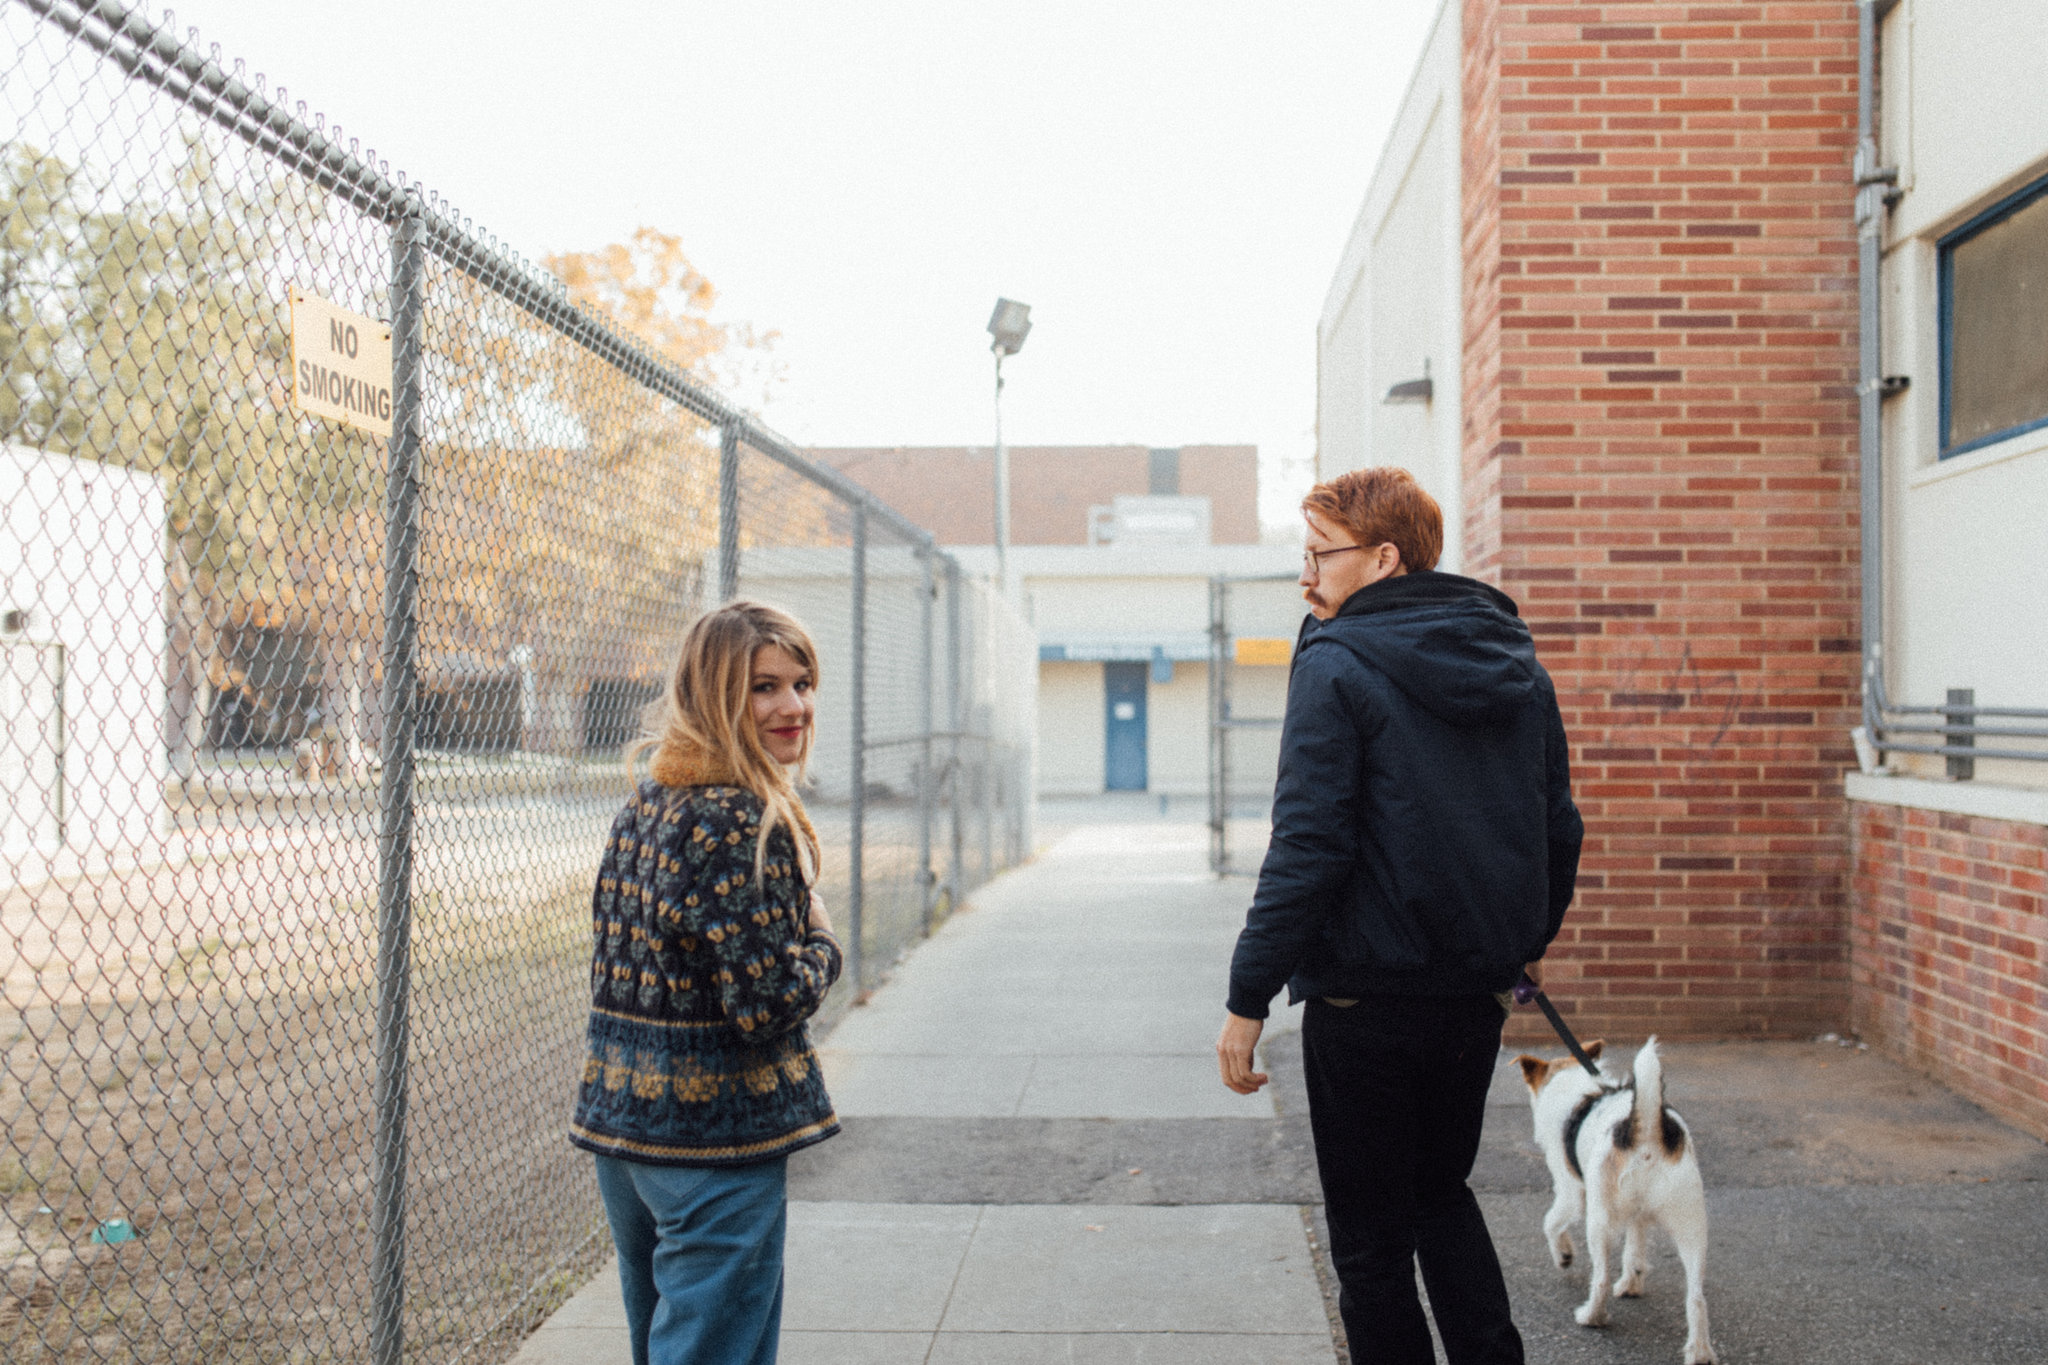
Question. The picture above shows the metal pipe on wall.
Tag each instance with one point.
(1873, 198)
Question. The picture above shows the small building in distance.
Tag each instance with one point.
(82, 760)
(1115, 547)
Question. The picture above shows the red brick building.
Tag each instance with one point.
(950, 490)
(1642, 345)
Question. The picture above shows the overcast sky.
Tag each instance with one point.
(1168, 185)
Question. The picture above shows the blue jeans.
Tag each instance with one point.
(700, 1258)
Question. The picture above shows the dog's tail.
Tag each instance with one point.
(1649, 1086)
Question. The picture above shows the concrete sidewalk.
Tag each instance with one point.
(1039, 1165)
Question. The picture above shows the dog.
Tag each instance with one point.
(1622, 1160)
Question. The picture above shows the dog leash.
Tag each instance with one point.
(1527, 990)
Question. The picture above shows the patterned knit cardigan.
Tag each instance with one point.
(702, 979)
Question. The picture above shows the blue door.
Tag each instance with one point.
(1123, 726)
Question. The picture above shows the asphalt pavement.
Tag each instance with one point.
(1038, 1165)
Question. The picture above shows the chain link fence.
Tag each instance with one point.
(311, 734)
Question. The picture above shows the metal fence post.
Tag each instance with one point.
(926, 809)
(956, 722)
(395, 795)
(729, 513)
(1218, 799)
(857, 835)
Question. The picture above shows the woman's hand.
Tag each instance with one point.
(819, 919)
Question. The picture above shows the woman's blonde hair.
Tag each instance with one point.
(706, 718)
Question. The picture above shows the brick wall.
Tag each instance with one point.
(1949, 936)
(1480, 216)
(1660, 368)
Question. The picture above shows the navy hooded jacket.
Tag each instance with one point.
(1424, 837)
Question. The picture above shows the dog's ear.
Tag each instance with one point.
(1534, 1069)
(1593, 1048)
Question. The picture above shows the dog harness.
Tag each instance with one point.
(1577, 1121)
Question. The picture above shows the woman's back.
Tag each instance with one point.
(702, 975)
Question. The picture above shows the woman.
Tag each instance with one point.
(699, 1079)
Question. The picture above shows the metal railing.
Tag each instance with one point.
(312, 734)
(1959, 736)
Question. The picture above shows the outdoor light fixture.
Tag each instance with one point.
(1009, 325)
(1413, 390)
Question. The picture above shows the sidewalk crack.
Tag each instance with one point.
(1024, 1091)
(947, 1307)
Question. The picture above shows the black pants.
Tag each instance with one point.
(1396, 1097)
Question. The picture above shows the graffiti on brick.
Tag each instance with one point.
(1647, 681)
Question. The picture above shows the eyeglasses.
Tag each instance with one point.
(1314, 558)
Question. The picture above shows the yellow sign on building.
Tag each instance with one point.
(341, 364)
(1253, 650)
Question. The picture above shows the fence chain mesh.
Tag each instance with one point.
(311, 736)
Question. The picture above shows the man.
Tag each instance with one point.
(1424, 849)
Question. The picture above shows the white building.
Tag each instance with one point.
(1389, 341)
(1965, 324)
(1123, 658)
(81, 655)
(1113, 551)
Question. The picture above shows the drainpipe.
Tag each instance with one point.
(1875, 192)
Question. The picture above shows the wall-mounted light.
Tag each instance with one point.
(1413, 390)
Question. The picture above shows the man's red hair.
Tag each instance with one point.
(1380, 505)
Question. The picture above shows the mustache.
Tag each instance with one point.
(1310, 596)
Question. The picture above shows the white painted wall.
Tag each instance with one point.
(1086, 597)
(1394, 303)
(82, 553)
(1070, 729)
(1177, 723)
(1965, 118)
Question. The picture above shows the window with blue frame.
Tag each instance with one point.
(1994, 323)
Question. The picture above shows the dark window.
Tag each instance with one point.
(1165, 472)
(1994, 323)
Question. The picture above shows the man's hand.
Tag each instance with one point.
(819, 919)
(1234, 1053)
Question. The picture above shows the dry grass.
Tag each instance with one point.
(191, 1047)
(200, 1064)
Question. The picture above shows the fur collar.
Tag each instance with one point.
(679, 765)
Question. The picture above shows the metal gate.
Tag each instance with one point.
(1252, 625)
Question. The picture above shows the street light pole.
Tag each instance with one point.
(1008, 325)
(1002, 487)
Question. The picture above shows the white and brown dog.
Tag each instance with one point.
(1621, 1159)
